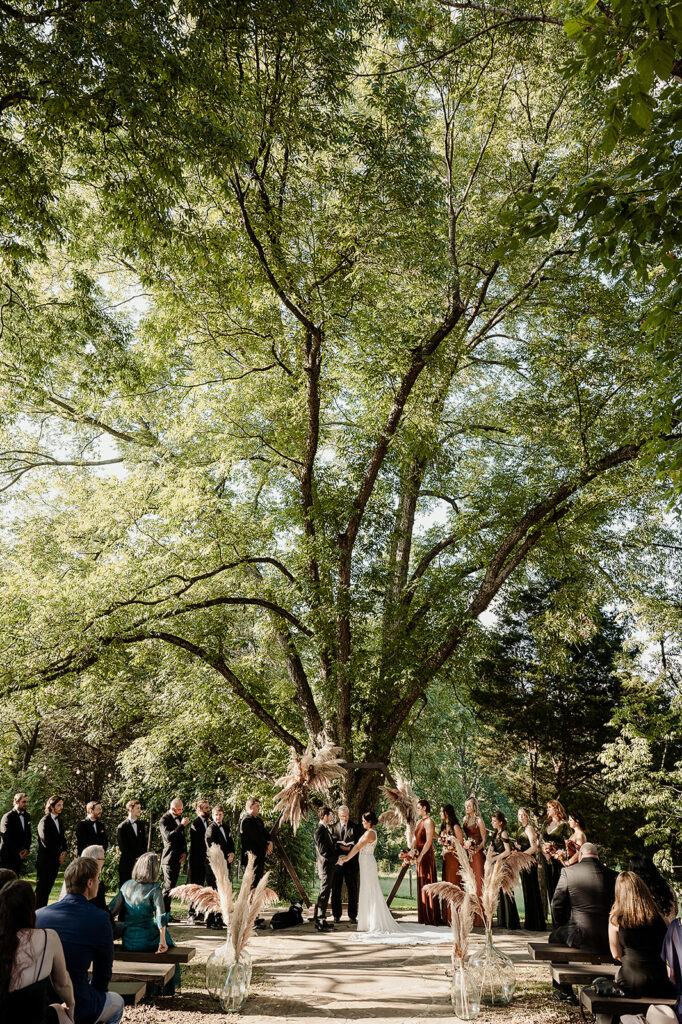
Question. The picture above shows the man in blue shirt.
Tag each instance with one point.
(87, 939)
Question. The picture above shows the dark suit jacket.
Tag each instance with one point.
(325, 848)
(255, 838)
(51, 840)
(174, 841)
(352, 834)
(13, 839)
(131, 846)
(582, 900)
(90, 833)
(87, 938)
(215, 837)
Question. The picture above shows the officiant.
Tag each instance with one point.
(346, 834)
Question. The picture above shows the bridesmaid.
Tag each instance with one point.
(527, 841)
(557, 831)
(574, 841)
(428, 909)
(450, 827)
(476, 835)
(507, 913)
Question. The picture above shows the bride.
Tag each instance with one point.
(375, 921)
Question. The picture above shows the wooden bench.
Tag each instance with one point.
(556, 954)
(157, 974)
(617, 1005)
(581, 974)
(175, 955)
(132, 991)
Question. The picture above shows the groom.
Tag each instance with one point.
(327, 855)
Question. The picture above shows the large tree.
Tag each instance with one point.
(347, 402)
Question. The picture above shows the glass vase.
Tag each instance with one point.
(494, 973)
(237, 984)
(465, 993)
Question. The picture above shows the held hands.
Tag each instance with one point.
(341, 861)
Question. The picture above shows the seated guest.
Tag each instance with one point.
(145, 917)
(15, 834)
(31, 960)
(664, 897)
(98, 855)
(87, 939)
(91, 831)
(636, 934)
(581, 903)
(7, 875)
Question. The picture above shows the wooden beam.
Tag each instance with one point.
(292, 871)
(398, 880)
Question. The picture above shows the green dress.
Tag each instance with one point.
(144, 914)
(534, 920)
(507, 913)
(558, 837)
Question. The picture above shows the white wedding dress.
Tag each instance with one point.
(376, 924)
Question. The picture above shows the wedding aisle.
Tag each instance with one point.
(301, 975)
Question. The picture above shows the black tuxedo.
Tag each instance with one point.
(197, 850)
(90, 833)
(174, 848)
(51, 843)
(131, 846)
(346, 836)
(215, 837)
(255, 839)
(581, 904)
(327, 855)
(14, 837)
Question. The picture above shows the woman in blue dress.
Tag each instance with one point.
(140, 902)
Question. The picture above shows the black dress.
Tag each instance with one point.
(558, 837)
(29, 1004)
(643, 972)
(507, 913)
(534, 920)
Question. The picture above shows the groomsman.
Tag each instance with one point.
(172, 828)
(131, 841)
(218, 834)
(327, 855)
(51, 850)
(346, 833)
(91, 831)
(197, 843)
(15, 835)
(255, 838)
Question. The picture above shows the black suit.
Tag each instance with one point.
(346, 836)
(174, 847)
(197, 850)
(14, 837)
(90, 833)
(131, 846)
(255, 839)
(217, 835)
(581, 904)
(327, 855)
(51, 843)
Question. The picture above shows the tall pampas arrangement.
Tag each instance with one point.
(202, 897)
(247, 907)
(313, 772)
(501, 874)
(463, 901)
(403, 810)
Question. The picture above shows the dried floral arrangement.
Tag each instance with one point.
(313, 772)
(403, 810)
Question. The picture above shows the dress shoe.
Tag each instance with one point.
(353, 920)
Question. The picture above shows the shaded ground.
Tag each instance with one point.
(300, 975)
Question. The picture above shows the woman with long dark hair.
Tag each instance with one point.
(31, 959)
(663, 896)
(450, 829)
(428, 908)
(507, 912)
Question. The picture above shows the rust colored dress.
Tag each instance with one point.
(428, 909)
(477, 862)
(450, 874)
